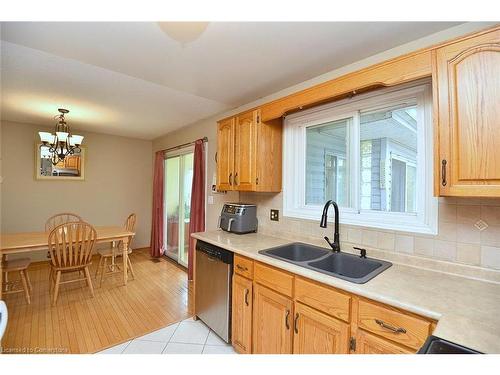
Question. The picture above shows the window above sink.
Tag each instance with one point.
(372, 154)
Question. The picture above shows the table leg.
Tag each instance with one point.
(113, 256)
(124, 257)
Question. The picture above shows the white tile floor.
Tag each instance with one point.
(186, 337)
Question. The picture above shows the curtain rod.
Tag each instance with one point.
(204, 139)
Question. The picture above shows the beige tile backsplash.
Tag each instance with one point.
(458, 240)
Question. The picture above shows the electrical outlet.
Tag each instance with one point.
(275, 215)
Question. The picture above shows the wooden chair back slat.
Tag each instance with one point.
(71, 244)
(129, 226)
(58, 219)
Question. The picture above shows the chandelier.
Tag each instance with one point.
(62, 143)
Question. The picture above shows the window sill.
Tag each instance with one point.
(380, 221)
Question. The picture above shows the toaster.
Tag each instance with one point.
(238, 218)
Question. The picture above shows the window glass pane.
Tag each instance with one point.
(327, 163)
(172, 188)
(411, 188)
(388, 152)
(187, 177)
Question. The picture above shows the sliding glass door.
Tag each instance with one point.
(177, 210)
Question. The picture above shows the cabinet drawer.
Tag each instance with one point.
(274, 279)
(243, 266)
(367, 343)
(323, 298)
(395, 325)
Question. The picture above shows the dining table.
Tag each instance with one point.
(25, 242)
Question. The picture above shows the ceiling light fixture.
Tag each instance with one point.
(183, 32)
(62, 143)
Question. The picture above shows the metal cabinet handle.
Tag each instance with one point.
(246, 296)
(241, 268)
(296, 323)
(287, 325)
(443, 172)
(389, 327)
(231, 178)
(235, 177)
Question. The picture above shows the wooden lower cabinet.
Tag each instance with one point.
(318, 333)
(393, 324)
(241, 331)
(278, 312)
(367, 343)
(272, 322)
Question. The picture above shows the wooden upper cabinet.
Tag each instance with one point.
(225, 154)
(249, 153)
(318, 333)
(371, 344)
(245, 158)
(242, 302)
(466, 80)
(272, 322)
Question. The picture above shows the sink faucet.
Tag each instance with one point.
(336, 237)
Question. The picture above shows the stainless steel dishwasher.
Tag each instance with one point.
(213, 272)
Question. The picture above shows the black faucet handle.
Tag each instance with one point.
(362, 251)
(329, 242)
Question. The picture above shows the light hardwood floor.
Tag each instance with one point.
(159, 296)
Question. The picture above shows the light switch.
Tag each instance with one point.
(210, 199)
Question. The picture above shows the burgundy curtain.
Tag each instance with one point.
(157, 219)
(197, 218)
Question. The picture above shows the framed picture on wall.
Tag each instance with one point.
(72, 167)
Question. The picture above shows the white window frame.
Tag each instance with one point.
(294, 160)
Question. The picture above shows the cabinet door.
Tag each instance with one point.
(317, 333)
(242, 315)
(245, 159)
(272, 322)
(370, 344)
(466, 99)
(225, 154)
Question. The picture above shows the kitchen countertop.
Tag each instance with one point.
(467, 310)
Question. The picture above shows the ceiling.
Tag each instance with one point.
(134, 79)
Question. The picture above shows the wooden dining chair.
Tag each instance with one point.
(58, 219)
(71, 246)
(12, 286)
(115, 251)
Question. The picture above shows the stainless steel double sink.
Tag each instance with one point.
(342, 265)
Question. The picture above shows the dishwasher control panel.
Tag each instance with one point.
(213, 251)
